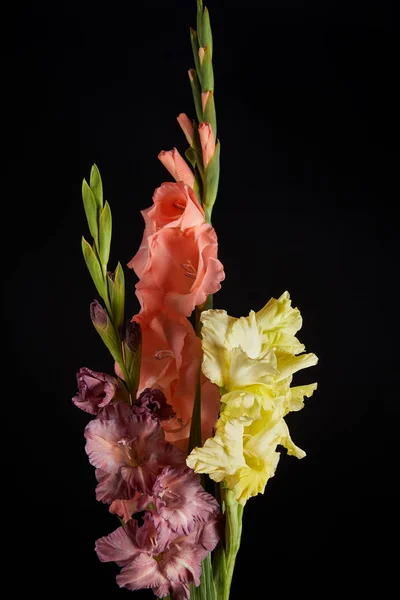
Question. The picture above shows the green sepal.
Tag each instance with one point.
(206, 589)
(195, 159)
(111, 340)
(118, 297)
(206, 34)
(195, 48)
(105, 234)
(210, 115)
(93, 265)
(199, 21)
(211, 180)
(96, 185)
(196, 90)
(206, 71)
(133, 361)
(91, 210)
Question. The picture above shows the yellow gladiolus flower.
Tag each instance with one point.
(252, 359)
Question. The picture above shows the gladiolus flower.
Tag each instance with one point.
(180, 499)
(96, 390)
(253, 360)
(177, 166)
(129, 452)
(151, 559)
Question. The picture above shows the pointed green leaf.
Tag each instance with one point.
(111, 340)
(96, 185)
(92, 264)
(206, 35)
(209, 114)
(206, 71)
(196, 90)
(199, 23)
(90, 205)
(105, 234)
(195, 48)
(118, 297)
(211, 180)
(192, 156)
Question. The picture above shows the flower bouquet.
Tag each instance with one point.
(186, 430)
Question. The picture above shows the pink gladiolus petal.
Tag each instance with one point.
(96, 390)
(207, 142)
(111, 486)
(187, 127)
(120, 546)
(126, 508)
(102, 445)
(142, 572)
(177, 166)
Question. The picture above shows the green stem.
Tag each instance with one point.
(225, 557)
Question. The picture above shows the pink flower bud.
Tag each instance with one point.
(207, 142)
(186, 126)
(177, 166)
(201, 55)
(204, 99)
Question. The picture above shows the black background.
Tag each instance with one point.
(307, 109)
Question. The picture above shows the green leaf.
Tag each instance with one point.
(211, 180)
(118, 297)
(206, 35)
(111, 340)
(209, 114)
(96, 185)
(195, 48)
(93, 265)
(192, 156)
(90, 205)
(206, 71)
(196, 90)
(199, 23)
(105, 234)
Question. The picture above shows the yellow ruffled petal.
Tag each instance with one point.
(289, 364)
(221, 455)
(278, 315)
(245, 333)
(281, 342)
(244, 371)
(295, 397)
(216, 361)
(246, 405)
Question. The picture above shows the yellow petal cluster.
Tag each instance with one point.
(252, 359)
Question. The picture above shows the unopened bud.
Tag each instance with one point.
(133, 336)
(98, 315)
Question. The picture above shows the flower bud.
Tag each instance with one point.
(133, 336)
(98, 315)
(207, 142)
(187, 127)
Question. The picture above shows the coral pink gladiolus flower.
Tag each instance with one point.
(207, 142)
(183, 266)
(177, 166)
(177, 261)
(174, 205)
